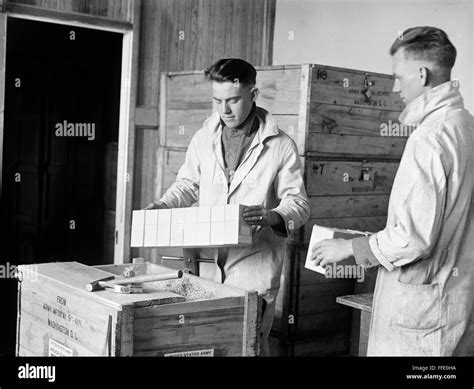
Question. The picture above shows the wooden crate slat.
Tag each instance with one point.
(331, 89)
(337, 119)
(181, 125)
(188, 91)
(329, 178)
(321, 297)
(279, 90)
(355, 146)
(324, 322)
(326, 207)
(169, 163)
(227, 341)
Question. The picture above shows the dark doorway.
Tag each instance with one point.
(60, 147)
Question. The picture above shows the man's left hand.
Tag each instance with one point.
(258, 215)
(331, 250)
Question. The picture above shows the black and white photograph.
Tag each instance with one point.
(285, 186)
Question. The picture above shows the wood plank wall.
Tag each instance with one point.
(110, 9)
(209, 30)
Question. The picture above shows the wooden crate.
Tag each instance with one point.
(349, 168)
(189, 316)
(321, 107)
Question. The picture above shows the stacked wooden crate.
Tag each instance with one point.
(335, 116)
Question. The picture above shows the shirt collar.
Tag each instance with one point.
(267, 125)
(248, 126)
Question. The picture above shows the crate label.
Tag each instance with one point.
(195, 353)
(58, 350)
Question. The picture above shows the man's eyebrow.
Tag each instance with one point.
(230, 98)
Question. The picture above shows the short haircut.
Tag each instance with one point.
(427, 43)
(231, 69)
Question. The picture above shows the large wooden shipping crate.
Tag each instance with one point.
(339, 119)
(186, 316)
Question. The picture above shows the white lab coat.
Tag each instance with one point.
(270, 175)
(424, 295)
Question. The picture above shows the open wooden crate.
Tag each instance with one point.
(187, 316)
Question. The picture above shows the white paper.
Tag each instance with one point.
(57, 349)
(318, 234)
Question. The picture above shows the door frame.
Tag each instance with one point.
(128, 86)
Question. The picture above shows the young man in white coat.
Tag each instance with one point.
(240, 156)
(424, 294)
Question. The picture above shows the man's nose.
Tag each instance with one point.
(225, 108)
(396, 86)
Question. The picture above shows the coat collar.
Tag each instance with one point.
(446, 94)
(267, 126)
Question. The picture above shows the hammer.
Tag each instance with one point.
(110, 281)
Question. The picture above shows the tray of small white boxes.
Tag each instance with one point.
(215, 226)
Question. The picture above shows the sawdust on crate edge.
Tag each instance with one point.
(184, 287)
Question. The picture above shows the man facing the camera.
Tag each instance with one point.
(240, 156)
(424, 295)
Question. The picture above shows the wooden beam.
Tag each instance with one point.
(3, 52)
(67, 17)
(127, 140)
(136, 20)
(268, 32)
(146, 116)
(252, 324)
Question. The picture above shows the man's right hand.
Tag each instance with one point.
(155, 206)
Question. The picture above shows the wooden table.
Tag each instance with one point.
(364, 303)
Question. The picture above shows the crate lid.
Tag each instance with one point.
(76, 276)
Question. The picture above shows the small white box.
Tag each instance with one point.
(177, 227)
(164, 228)
(319, 233)
(232, 235)
(218, 225)
(203, 226)
(190, 226)
(151, 228)
(234, 217)
(228, 226)
(138, 228)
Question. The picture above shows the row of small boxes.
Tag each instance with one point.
(221, 225)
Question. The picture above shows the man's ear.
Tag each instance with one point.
(424, 75)
(254, 92)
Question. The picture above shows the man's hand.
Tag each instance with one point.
(155, 206)
(257, 215)
(331, 250)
